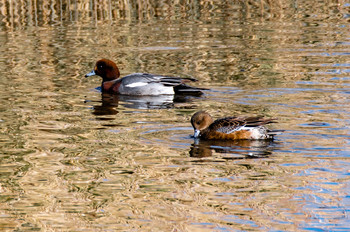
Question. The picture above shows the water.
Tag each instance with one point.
(73, 159)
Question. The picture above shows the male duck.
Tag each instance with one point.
(139, 84)
(231, 128)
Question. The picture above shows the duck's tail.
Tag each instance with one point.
(180, 87)
(273, 133)
(188, 90)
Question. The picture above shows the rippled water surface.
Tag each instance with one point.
(73, 159)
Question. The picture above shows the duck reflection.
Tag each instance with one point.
(108, 105)
(240, 149)
(110, 102)
(147, 102)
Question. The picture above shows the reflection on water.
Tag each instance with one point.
(73, 159)
(109, 102)
(241, 149)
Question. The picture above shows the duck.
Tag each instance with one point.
(231, 128)
(139, 84)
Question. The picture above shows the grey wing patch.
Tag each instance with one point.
(154, 78)
(227, 125)
(140, 78)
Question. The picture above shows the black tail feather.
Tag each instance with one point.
(189, 90)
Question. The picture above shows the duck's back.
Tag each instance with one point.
(152, 84)
(233, 128)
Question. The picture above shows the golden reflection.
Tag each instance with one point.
(34, 12)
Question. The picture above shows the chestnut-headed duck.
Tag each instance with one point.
(139, 84)
(231, 128)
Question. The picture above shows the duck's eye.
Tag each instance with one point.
(100, 66)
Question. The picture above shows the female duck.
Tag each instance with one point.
(230, 128)
(140, 83)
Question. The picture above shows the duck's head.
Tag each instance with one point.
(106, 69)
(200, 121)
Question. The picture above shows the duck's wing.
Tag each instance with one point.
(227, 125)
(145, 78)
(257, 121)
(153, 78)
(175, 81)
(178, 83)
(231, 124)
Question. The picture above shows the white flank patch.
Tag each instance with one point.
(256, 134)
(136, 84)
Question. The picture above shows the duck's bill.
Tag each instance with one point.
(196, 133)
(92, 73)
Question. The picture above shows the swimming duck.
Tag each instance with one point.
(230, 128)
(139, 84)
